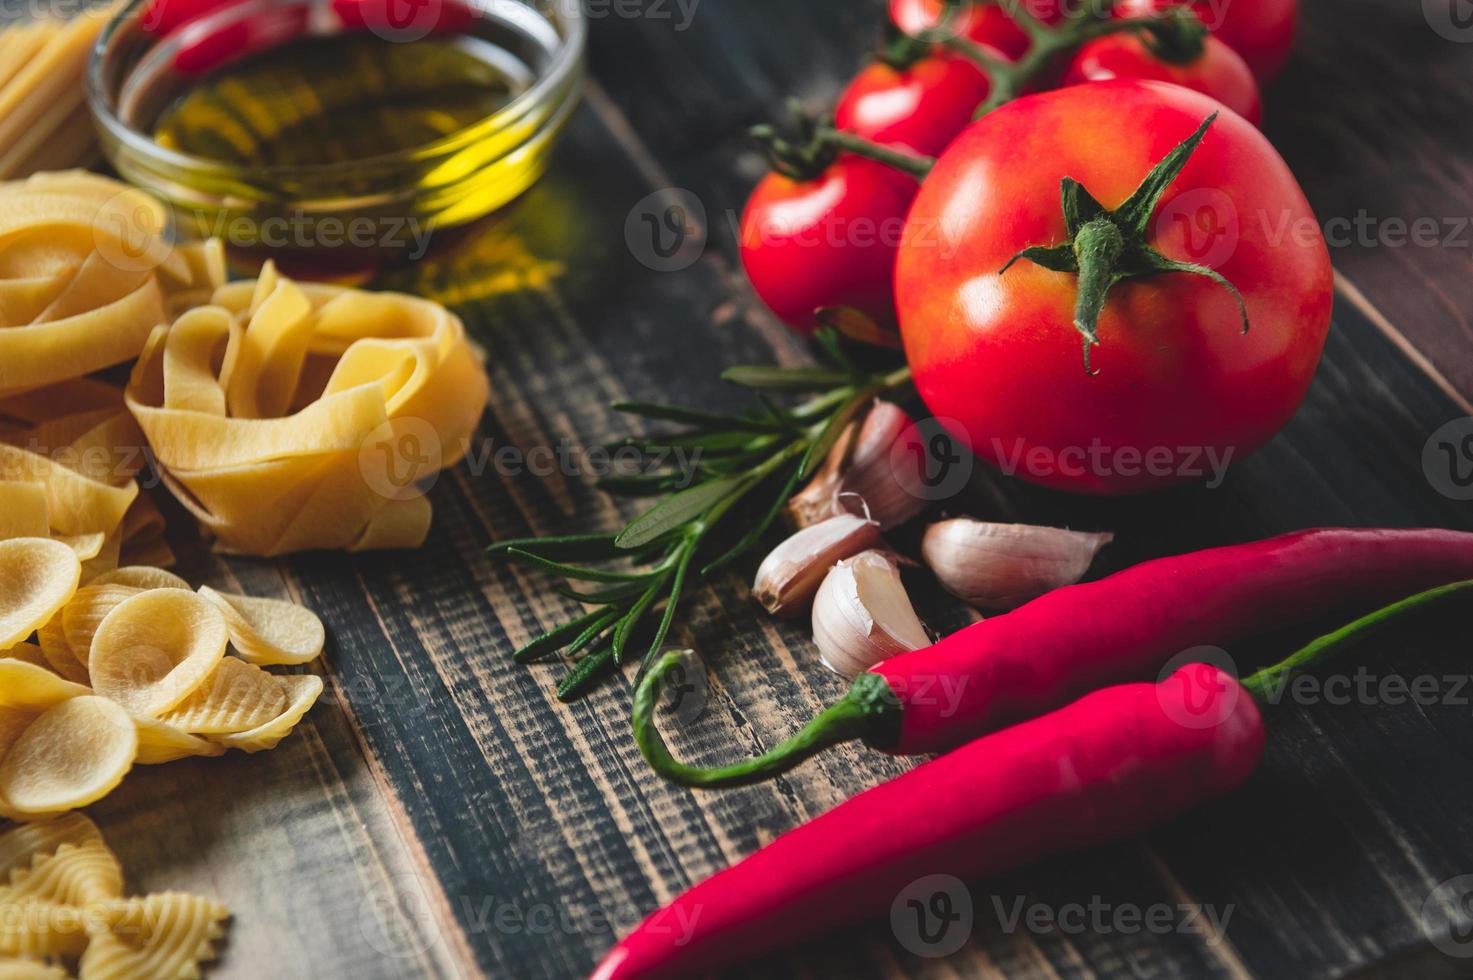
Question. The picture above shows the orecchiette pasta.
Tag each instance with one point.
(134, 669)
(62, 898)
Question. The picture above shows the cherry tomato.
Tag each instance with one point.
(1262, 31)
(985, 23)
(1219, 72)
(921, 108)
(829, 241)
(1176, 388)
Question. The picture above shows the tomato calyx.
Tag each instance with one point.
(1177, 36)
(900, 51)
(1106, 247)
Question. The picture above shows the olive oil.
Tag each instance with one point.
(342, 99)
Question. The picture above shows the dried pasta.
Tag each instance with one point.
(131, 670)
(289, 417)
(62, 898)
(43, 122)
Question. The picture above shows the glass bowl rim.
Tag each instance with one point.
(566, 62)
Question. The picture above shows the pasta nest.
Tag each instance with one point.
(289, 416)
(86, 272)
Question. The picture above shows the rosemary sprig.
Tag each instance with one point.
(747, 463)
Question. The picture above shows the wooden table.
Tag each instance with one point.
(442, 814)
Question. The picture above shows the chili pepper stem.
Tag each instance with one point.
(869, 711)
(1269, 681)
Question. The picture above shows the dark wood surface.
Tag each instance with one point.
(442, 814)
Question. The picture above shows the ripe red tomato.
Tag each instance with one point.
(1177, 388)
(921, 108)
(1262, 31)
(985, 23)
(829, 241)
(1220, 71)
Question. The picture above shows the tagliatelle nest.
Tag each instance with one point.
(291, 416)
(133, 668)
(61, 898)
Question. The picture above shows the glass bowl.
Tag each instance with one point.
(387, 201)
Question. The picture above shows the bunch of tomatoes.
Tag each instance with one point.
(1009, 182)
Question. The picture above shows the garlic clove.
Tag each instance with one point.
(862, 615)
(1000, 566)
(874, 469)
(790, 576)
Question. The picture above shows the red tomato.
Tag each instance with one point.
(1262, 31)
(984, 23)
(1178, 388)
(921, 108)
(1220, 71)
(829, 241)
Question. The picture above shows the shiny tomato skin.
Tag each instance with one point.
(997, 358)
(1220, 71)
(1262, 31)
(829, 241)
(984, 23)
(921, 108)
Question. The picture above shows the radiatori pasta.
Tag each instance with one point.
(133, 669)
(291, 416)
(62, 899)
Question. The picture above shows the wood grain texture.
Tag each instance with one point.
(442, 815)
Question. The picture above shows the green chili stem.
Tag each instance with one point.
(869, 711)
(1272, 679)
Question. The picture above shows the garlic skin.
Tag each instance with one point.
(790, 575)
(862, 615)
(1000, 566)
(873, 469)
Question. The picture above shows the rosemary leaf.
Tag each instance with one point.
(675, 511)
(576, 572)
(696, 418)
(784, 379)
(588, 671)
(555, 639)
(574, 547)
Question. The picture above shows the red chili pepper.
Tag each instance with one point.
(1114, 763)
(1109, 765)
(1122, 628)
